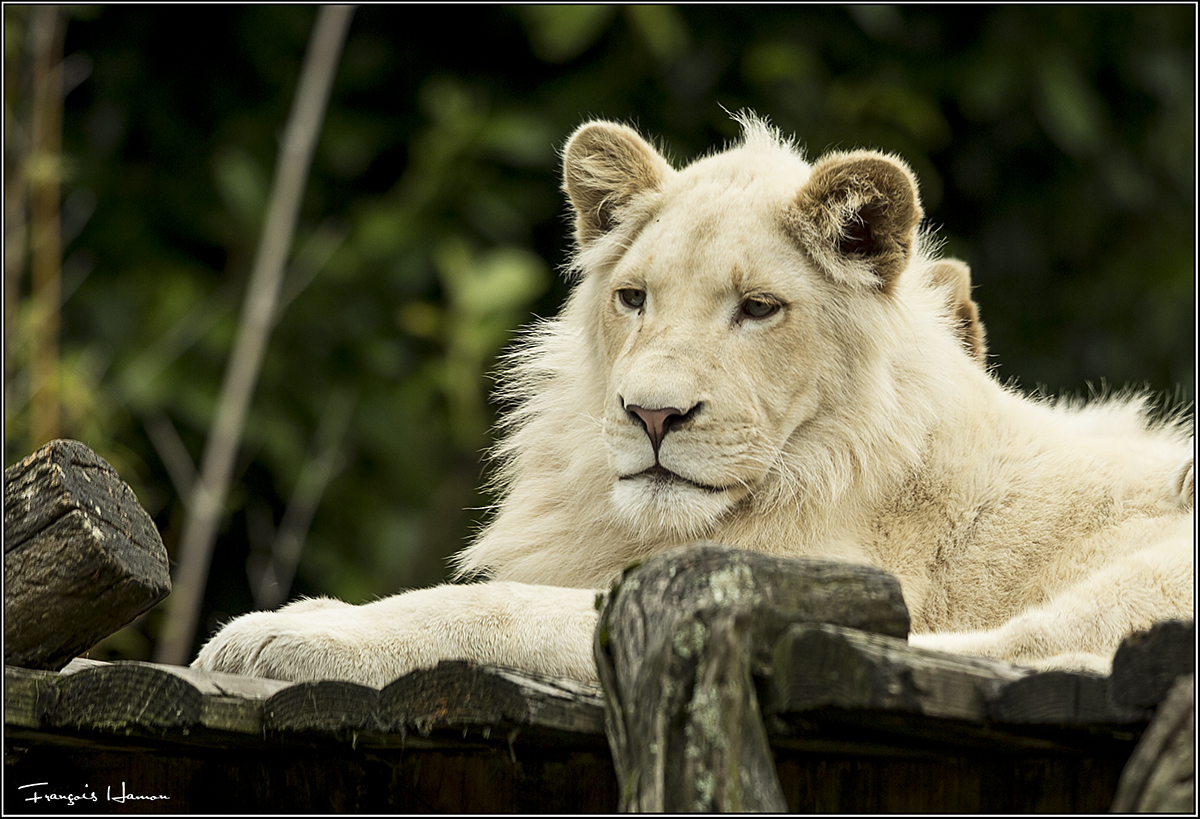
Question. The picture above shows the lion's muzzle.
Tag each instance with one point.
(658, 422)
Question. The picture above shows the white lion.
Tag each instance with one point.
(763, 352)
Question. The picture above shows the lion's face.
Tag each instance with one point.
(699, 321)
(720, 296)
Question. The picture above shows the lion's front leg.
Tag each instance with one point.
(543, 629)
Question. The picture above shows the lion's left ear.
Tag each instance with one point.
(857, 216)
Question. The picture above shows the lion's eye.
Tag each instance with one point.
(759, 308)
(632, 298)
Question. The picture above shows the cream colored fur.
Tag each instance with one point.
(764, 352)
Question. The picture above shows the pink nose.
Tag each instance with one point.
(658, 422)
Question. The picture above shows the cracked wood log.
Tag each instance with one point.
(81, 556)
(678, 642)
(822, 666)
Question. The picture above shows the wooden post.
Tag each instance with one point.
(1147, 663)
(81, 556)
(1161, 775)
(677, 646)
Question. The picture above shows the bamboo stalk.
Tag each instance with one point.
(45, 173)
(258, 314)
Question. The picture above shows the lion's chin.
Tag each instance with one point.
(658, 501)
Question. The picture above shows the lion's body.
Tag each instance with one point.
(758, 352)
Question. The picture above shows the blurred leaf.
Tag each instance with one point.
(520, 139)
(243, 186)
(893, 103)
(1068, 108)
(561, 33)
(878, 21)
(501, 281)
(773, 61)
(660, 27)
(421, 319)
(487, 295)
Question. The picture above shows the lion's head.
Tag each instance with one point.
(748, 335)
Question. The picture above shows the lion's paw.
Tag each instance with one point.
(295, 644)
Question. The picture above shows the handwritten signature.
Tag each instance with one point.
(87, 795)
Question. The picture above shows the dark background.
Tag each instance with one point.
(1055, 148)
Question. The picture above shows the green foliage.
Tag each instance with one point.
(1054, 146)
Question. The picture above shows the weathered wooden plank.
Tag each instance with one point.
(234, 715)
(823, 666)
(817, 665)
(675, 648)
(328, 706)
(1147, 662)
(1160, 776)
(218, 683)
(81, 664)
(231, 703)
(556, 702)
(81, 556)
(28, 694)
(133, 696)
(125, 696)
(461, 693)
(1060, 698)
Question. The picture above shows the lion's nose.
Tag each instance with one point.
(658, 422)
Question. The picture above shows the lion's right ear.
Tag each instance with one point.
(605, 165)
(954, 277)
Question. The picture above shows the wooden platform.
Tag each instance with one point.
(915, 732)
